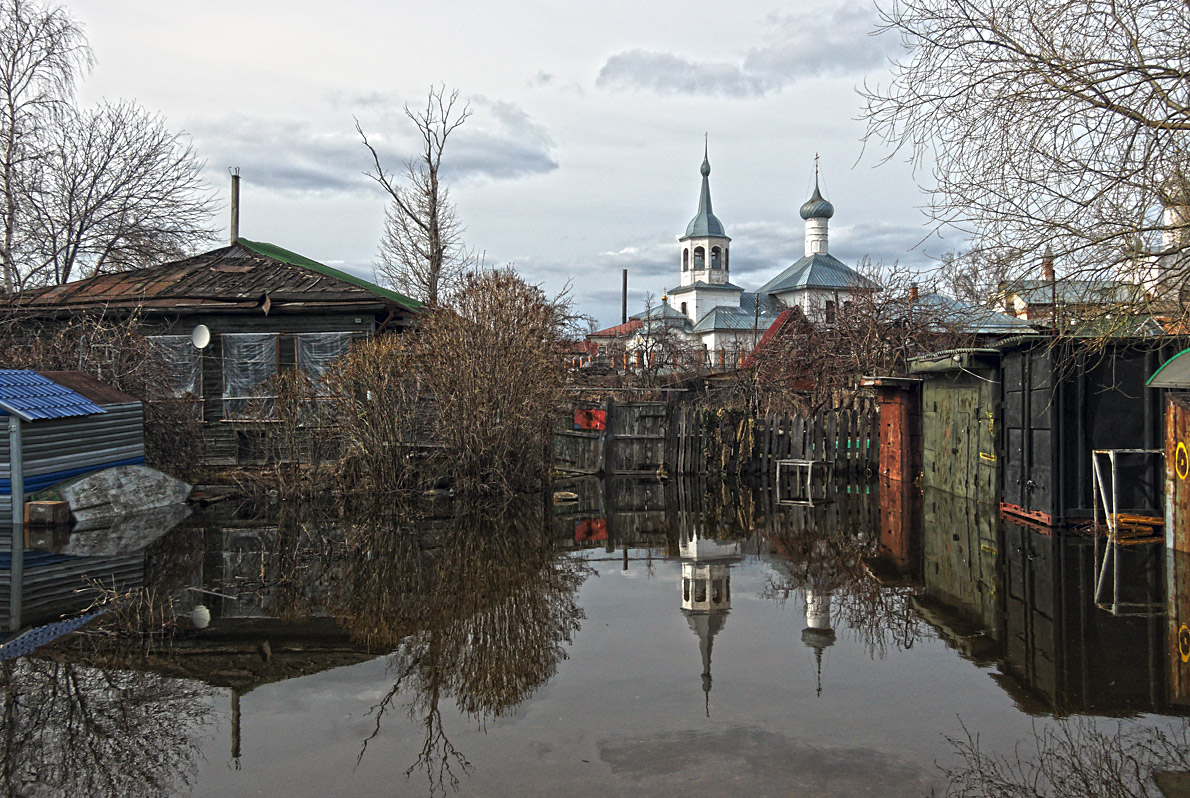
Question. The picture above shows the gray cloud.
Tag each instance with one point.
(499, 142)
(760, 762)
(669, 74)
(796, 46)
(286, 156)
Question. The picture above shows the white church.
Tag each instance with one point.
(709, 310)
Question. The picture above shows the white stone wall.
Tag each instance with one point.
(706, 274)
(816, 236)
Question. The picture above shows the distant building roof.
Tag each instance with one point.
(1072, 292)
(619, 330)
(664, 310)
(702, 285)
(32, 397)
(235, 276)
(973, 319)
(745, 316)
(820, 270)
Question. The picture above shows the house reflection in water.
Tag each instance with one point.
(706, 590)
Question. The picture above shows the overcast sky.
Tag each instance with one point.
(582, 154)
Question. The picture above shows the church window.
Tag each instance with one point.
(683, 308)
(700, 591)
(700, 256)
(715, 263)
(685, 260)
(830, 311)
(726, 258)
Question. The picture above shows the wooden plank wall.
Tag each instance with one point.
(655, 438)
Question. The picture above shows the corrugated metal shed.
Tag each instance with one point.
(58, 448)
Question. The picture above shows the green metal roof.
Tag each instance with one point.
(819, 270)
(1174, 373)
(705, 223)
(285, 256)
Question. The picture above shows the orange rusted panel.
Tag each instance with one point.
(1177, 470)
(1179, 627)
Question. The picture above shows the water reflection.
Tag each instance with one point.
(70, 729)
(1077, 757)
(826, 554)
(471, 612)
(478, 610)
(706, 589)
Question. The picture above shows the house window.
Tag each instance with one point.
(313, 353)
(249, 360)
(181, 362)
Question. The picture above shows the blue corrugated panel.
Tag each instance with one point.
(29, 641)
(33, 397)
(42, 481)
(34, 560)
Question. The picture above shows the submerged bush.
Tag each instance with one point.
(466, 400)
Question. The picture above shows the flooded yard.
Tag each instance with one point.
(643, 638)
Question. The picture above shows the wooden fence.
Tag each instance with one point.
(656, 438)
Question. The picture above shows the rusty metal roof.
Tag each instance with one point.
(242, 275)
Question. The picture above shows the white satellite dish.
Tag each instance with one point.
(200, 336)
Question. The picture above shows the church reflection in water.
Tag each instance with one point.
(706, 590)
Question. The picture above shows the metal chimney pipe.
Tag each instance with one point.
(624, 300)
(235, 205)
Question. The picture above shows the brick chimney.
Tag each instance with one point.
(1047, 265)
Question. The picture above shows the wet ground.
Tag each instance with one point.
(646, 639)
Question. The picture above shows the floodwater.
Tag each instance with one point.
(647, 639)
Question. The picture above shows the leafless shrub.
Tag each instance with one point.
(466, 400)
(1074, 758)
(297, 435)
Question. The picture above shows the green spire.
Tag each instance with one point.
(705, 223)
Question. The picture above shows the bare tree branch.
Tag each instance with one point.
(421, 251)
(42, 52)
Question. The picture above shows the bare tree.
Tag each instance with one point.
(421, 250)
(1059, 122)
(42, 52)
(113, 190)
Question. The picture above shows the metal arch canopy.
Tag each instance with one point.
(1174, 373)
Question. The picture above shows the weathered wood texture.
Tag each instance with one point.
(655, 438)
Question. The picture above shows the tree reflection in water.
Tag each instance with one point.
(824, 558)
(1074, 758)
(476, 607)
(75, 730)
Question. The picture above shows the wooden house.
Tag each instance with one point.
(265, 309)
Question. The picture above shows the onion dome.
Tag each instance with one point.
(817, 207)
